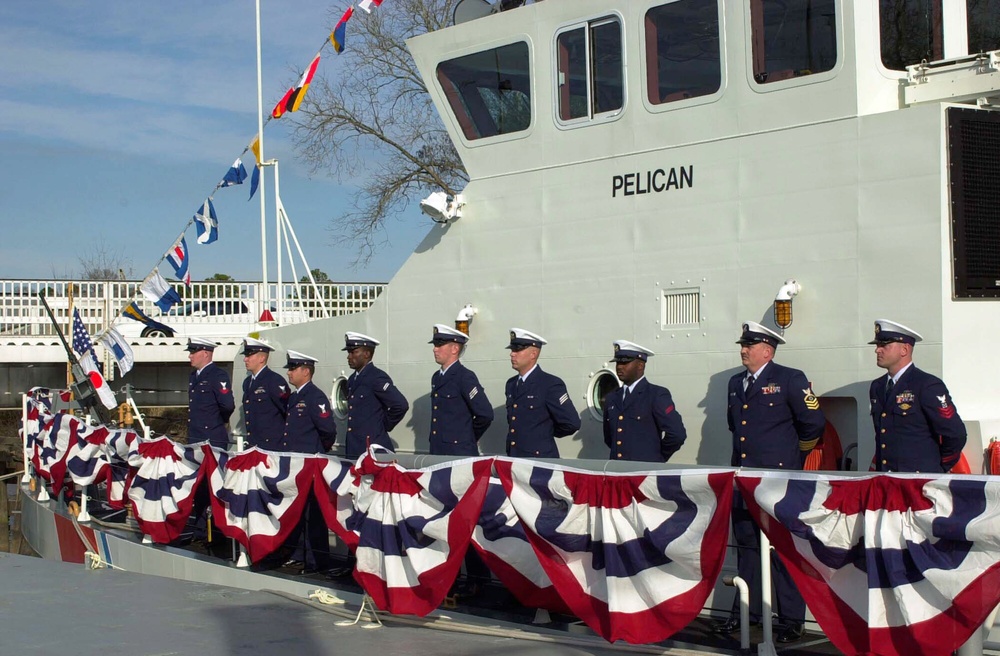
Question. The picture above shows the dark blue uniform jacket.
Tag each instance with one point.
(645, 427)
(310, 426)
(210, 405)
(264, 401)
(917, 428)
(538, 410)
(777, 422)
(374, 407)
(460, 412)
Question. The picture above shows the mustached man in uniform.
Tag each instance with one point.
(538, 406)
(917, 428)
(265, 397)
(460, 411)
(210, 405)
(640, 419)
(309, 429)
(776, 421)
(374, 405)
(210, 396)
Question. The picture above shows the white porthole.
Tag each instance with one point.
(601, 384)
(338, 397)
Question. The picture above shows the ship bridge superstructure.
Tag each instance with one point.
(662, 171)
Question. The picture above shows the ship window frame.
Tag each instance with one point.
(785, 78)
(469, 130)
(587, 25)
(595, 400)
(938, 36)
(338, 397)
(972, 38)
(651, 69)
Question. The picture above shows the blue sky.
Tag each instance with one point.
(117, 119)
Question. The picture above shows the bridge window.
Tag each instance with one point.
(984, 25)
(590, 74)
(792, 38)
(910, 32)
(489, 91)
(682, 51)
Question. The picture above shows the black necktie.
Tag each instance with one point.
(517, 385)
(748, 383)
(888, 389)
(625, 394)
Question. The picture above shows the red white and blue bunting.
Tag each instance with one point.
(888, 564)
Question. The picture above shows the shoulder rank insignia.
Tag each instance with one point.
(946, 410)
(810, 399)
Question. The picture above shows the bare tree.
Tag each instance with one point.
(371, 121)
(102, 261)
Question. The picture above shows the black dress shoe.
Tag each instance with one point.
(339, 572)
(291, 563)
(727, 626)
(789, 632)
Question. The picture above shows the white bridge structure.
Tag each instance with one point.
(226, 311)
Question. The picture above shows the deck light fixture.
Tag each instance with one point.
(783, 303)
(464, 317)
(442, 207)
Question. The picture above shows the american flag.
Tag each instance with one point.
(635, 556)
(81, 338)
(888, 564)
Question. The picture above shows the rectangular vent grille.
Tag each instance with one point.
(974, 157)
(680, 308)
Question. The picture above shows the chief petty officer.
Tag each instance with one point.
(265, 397)
(640, 420)
(309, 428)
(374, 405)
(460, 411)
(775, 421)
(917, 428)
(210, 396)
(538, 406)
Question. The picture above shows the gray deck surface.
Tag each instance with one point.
(55, 608)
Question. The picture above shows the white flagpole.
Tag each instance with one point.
(260, 137)
(277, 230)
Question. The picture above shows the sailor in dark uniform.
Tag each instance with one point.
(917, 428)
(374, 405)
(776, 421)
(460, 411)
(538, 406)
(210, 396)
(210, 405)
(640, 419)
(310, 429)
(265, 395)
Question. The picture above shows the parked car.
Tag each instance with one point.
(205, 318)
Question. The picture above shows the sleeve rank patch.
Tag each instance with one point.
(385, 387)
(564, 398)
(473, 392)
(810, 399)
